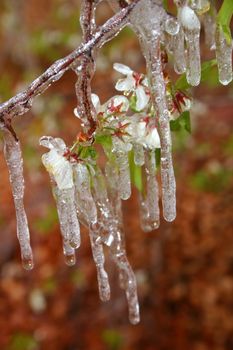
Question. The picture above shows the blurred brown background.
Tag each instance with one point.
(184, 270)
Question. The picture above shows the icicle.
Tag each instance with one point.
(149, 206)
(147, 19)
(179, 52)
(13, 156)
(69, 253)
(67, 216)
(84, 201)
(87, 210)
(139, 158)
(69, 224)
(224, 57)
(159, 100)
(192, 27)
(110, 217)
(98, 256)
(209, 22)
(122, 160)
(87, 213)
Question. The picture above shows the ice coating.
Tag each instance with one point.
(13, 157)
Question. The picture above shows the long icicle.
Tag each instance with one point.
(158, 89)
(13, 156)
(117, 248)
(87, 212)
(145, 23)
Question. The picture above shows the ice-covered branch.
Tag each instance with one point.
(85, 109)
(22, 102)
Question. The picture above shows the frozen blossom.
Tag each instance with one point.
(56, 163)
(133, 82)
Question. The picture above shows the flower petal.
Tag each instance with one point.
(142, 98)
(123, 69)
(152, 140)
(50, 142)
(96, 102)
(60, 168)
(126, 84)
(121, 101)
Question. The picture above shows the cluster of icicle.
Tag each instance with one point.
(93, 198)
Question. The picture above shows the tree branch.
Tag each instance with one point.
(22, 102)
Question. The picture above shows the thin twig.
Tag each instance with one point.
(22, 102)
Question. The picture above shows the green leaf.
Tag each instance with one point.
(165, 4)
(132, 103)
(158, 157)
(175, 125)
(87, 152)
(183, 122)
(105, 141)
(135, 172)
(113, 339)
(224, 18)
(23, 341)
(206, 70)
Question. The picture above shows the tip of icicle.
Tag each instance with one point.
(28, 263)
(70, 260)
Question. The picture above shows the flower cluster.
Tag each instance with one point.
(129, 118)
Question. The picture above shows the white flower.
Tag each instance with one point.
(56, 164)
(143, 134)
(133, 82)
(152, 139)
(116, 104)
(188, 18)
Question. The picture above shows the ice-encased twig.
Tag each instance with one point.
(13, 156)
(147, 21)
(117, 247)
(87, 214)
(21, 103)
(149, 202)
(224, 57)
